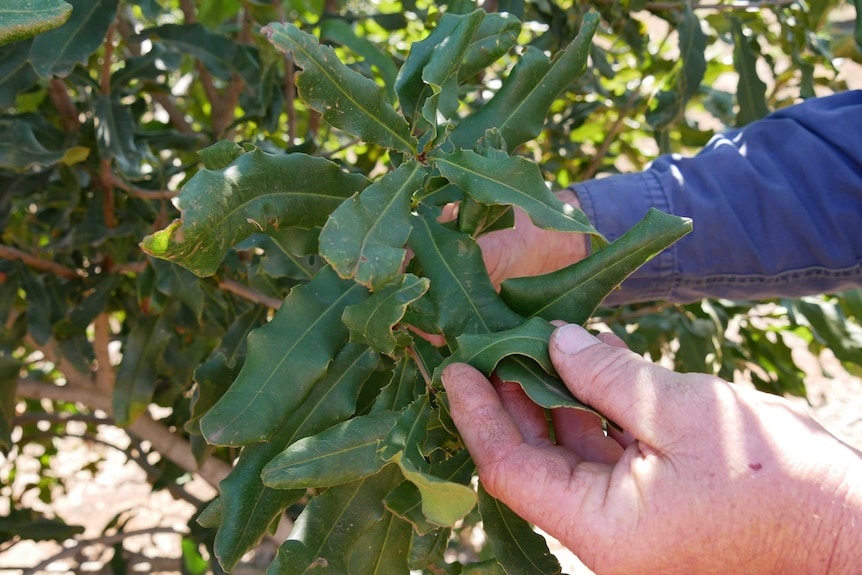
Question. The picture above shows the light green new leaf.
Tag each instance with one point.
(371, 321)
(460, 287)
(497, 33)
(364, 238)
(327, 530)
(346, 99)
(519, 108)
(511, 181)
(258, 192)
(383, 549)
(750, 90)
(573, 293)
(286, 357)
(519, 549)
(22, 19)
(57, 52)
(249, 506)
(138, 371)
(21, 151)
(341, 454)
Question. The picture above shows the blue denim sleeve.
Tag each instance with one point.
(776, 207)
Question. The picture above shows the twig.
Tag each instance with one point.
(248, 293)
(106, 540)
(59, 95)
(101, 340)
(140, 192)
(610, 137)
(10, 253)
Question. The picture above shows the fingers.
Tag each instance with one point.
(582, 432)
(544, 484)
(617, 382)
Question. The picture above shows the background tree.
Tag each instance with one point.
(300, 193)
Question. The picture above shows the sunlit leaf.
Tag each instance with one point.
(346, 99)
(285, 358)
(573, 293)
(56, 52)
(257, 192)
(364, 238)
(497, 34)
(21, 19)
(371, 321)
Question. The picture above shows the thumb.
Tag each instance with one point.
(637, 394)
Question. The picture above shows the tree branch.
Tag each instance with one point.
(249, 293)
(10, 253)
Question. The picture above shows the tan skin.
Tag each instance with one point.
(708, 478)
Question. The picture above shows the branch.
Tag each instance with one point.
(167, 444)
(63, 103)
(10, 253)
(249, 293)
(107, 540)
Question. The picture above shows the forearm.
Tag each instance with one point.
(776, 209)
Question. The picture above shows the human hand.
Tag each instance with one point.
(527, 250)
(708, 478)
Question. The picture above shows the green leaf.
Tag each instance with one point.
(220, 54)
(9, 372)
(485, 350)
(519, 108)
(404, 387)
(371, 321)
(212, 379)
(382, 549)
(21, 151)
(138, 371)
(519, 549)
(750, 91)
(249, 506)
(220, 155)
(496, 35)
(511, 181)
(573, 293)
(364, 238)
(257, 192)
(427, 549)
(285, 358)
(341, 31)
(115, 133)
(692, 44)
(180, 284)
(542, 388)
(16, 74)
(341, 454)
(487, 567)
(22, 19)
(346, 99)
(857, 27)
(329, 527)
(460, 288)
(441, 71)
(57, 52)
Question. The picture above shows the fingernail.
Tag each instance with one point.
(573, 338)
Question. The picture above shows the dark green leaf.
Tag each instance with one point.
(330, 525)
(497, 33)
(21, 19)
(404, 387)
(383, 549)
(519, 108)
(9, 372)
(138, 371)
(220, 155)
(180, 284)
(347, 100)
(485, 350)
(55, 53)
(541, 387)
(511, 181)
(249, 506)
(692, 44)
(257, 192)
(20, 150)
(340, 31)
(285, 358)
(341, 454)
(573, 293)
(519, 549)
(115, 131)
(16, 74)
(364, 238)
(460, 287)
(371, 321)
(750, 91)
